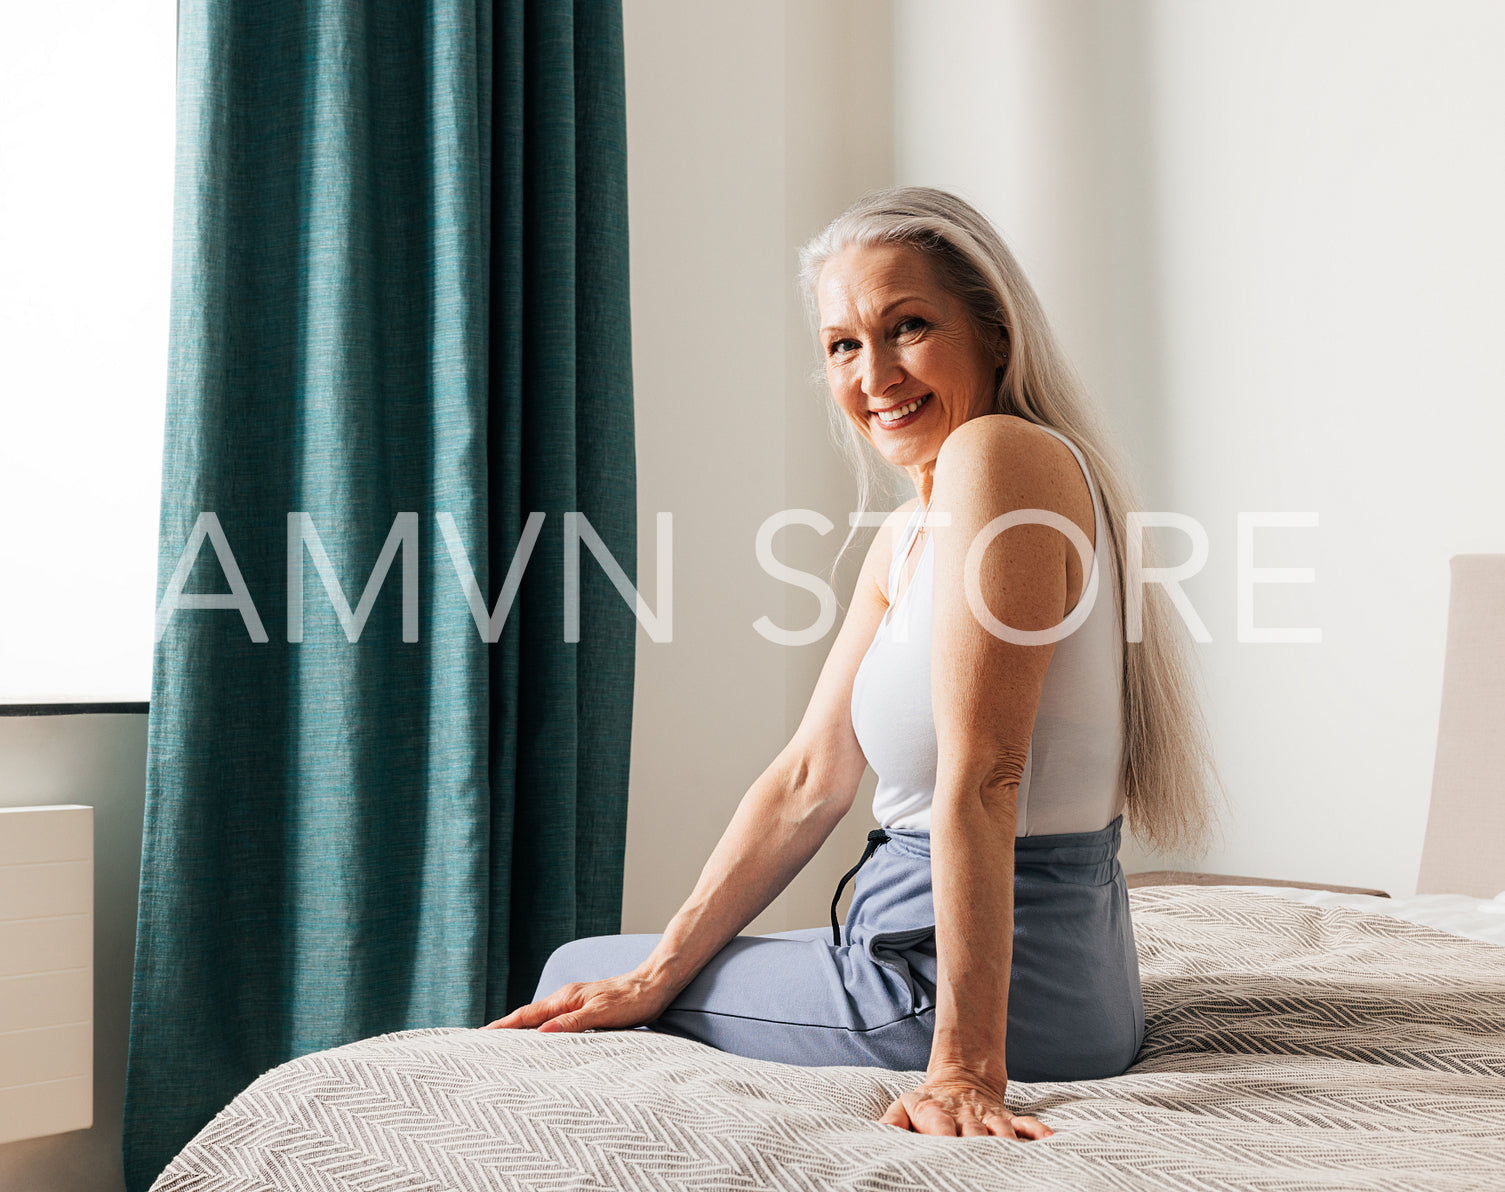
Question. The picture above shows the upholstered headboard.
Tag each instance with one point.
(1464, 850)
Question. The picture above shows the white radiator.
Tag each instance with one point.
(46, 970)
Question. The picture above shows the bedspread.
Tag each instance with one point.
(1287, 1047)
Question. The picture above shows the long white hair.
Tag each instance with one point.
(1169, 775)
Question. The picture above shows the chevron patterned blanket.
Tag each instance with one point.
(1287, 1047)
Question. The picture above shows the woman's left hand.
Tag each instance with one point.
(960, 1105)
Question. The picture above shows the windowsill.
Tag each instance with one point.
(76, 709)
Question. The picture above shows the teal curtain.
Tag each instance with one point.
(399, 292)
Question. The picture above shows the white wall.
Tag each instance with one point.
(99, 761)
(749, 126)
(1267, 231)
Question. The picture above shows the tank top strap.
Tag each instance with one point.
(1088, 599)
(1080, 459)
(911, 530)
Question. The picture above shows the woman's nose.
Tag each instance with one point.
(880, 372)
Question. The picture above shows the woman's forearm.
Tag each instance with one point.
(778, 826)
(972, 879)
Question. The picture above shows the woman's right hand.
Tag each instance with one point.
(610, 1004)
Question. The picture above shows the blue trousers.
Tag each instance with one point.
(1074, 1007)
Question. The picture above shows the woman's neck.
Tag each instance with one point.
(922, 476)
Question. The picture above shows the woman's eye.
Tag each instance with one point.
(840, 345)
(913, 323)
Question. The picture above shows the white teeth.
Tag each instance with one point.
(902, 411)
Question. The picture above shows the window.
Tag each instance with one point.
(86, 170)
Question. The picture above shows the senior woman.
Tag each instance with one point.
(984, 671)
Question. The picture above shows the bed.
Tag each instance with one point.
(1295, 1039)
(1287, 1046)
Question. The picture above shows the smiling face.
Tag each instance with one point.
(893, 336)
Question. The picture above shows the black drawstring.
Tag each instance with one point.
(874, 838)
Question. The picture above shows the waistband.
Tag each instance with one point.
(1087, 857)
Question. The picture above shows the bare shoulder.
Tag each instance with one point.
(997, 462)
(990, 440)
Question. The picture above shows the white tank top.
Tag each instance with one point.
(1072, 779)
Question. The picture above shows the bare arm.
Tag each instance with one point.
(778, 826)
(985, 691)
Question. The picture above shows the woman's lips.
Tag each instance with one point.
(904, 421)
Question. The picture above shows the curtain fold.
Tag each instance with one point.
(399, 292)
